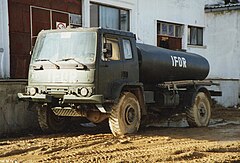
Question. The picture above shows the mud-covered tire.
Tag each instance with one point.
(49, 122)
(126, 115)
(200, 113)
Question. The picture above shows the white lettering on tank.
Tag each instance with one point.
(184, 62)
(172, 61)
(179, 62)
(175, 60)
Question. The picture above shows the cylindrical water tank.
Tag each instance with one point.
(159, 65)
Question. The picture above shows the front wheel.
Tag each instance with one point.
(200, 113)
(126, 115)
(49, 122)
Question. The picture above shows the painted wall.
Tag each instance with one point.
(223, 37)
(4, 40)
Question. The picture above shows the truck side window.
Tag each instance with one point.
(115, 48)
(127, 49)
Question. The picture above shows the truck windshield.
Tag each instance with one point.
(57, 46)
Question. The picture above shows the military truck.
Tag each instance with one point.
(101, 74)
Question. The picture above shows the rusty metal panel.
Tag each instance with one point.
(42, 3)
(19, 32)
(59, 5)
(40, 20)
(19, 58)
(19, 16)
(75, 6)
(16, 17)
(26, 2)
(19, 66)
(20, 43)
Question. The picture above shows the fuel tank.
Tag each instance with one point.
(159, 65)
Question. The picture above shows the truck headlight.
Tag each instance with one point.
(32, 91)
(83, 91)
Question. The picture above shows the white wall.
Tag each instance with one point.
(187, 12)
(4, 41)
(223, 31)
(223, 37)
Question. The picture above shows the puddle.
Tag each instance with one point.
(183, 123)
(169, 123)
(222, 122)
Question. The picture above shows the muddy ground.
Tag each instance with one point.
(220, 142)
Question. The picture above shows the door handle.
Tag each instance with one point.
(104, 65)
(1, 50)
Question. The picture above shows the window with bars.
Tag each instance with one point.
(195, 36)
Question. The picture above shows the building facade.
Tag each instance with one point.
(223, 49)
(207, 27)
(194, 26)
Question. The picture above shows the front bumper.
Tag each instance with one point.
(94, 99)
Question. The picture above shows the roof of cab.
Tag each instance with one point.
(92, 29)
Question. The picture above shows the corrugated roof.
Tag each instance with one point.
(222, 7)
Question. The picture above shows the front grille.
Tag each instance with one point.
(57, 90)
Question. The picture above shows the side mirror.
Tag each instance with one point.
(107, 50)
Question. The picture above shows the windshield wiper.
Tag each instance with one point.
(57, 66)
(73, 59)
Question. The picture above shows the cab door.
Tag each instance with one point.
(110, 69)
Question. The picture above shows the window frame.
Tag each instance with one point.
(175, 28)
(190, 35)
(130, 45)
(111, 37)
(169, 35)
(119, 15)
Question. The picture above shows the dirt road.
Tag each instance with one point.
(220, 142)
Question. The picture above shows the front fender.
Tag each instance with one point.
(135, 88)
(119, 86)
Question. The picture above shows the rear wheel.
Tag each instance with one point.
(126, 115)
(200, 113)
(49, 122)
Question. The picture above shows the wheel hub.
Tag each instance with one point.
(202, 110)
(130, 115)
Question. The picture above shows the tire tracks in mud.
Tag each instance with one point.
(215, 144)
(105, 147)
